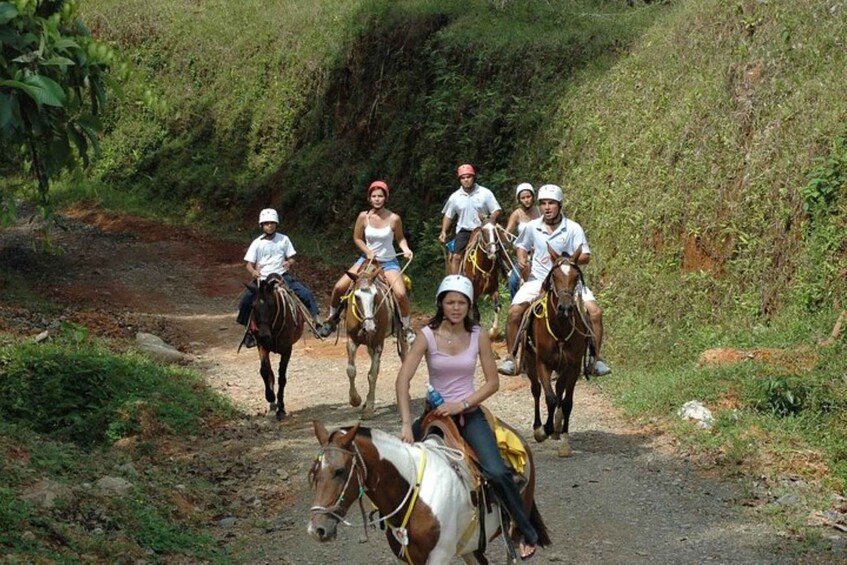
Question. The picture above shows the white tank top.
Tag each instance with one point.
(380, 241)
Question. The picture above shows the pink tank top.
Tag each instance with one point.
(452, 375)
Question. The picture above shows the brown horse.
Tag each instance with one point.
(483, 264)
(371, 317)
(277, 322)
(556, 340)
(423, 495)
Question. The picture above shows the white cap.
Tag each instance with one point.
(551, 192)
(268, 215)
(456, 283)
(524, 186)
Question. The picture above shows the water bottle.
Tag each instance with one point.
(433, 396)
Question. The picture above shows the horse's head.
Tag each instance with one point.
(562, 282)
(366, 299)
(337, 477)
(266, 309)
(488, 239)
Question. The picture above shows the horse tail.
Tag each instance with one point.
(539, 525)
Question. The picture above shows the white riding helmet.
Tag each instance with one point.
(456, 283)
(524, 186)
(268, 215)
(551, 192)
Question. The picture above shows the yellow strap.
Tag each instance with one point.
(414, 499)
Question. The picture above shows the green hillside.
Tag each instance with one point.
(703, 145)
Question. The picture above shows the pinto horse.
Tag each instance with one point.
(483, 264)
(557, 338)
(370, 318)
(277, 318)
(423, 495)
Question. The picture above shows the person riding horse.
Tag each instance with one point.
(452, 342)
(374, 234)
(271, 253)
(564, 236)
(520, 217)
(469, 203)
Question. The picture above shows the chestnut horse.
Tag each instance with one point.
(423, 495)
(371, 317)
(483, 264)
(556, 340)
(277, 323)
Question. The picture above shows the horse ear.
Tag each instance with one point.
(353, 276)
(576, 254)
(350, 436)
(553, 255)
(320, 432)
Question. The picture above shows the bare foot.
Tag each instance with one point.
(527, 550)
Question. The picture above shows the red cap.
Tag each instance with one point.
(465, 170)
(378, 184)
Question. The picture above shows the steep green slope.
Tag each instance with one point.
(693, 162)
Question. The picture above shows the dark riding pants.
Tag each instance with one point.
(299, 289)
(475, 430)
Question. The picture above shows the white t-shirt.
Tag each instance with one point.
(469, 205)
(564, 239)
(269, 254)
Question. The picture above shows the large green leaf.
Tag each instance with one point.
(57, 60)
(49, 91)
(8, 12)
(31, 91)
(64, 44)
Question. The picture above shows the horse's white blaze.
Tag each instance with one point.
(443, 490)
(366, 298)
(565, 268)
(490, 237)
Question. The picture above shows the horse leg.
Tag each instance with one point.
(370, 402)
(284, 358)
(353, 394)
(495, 325)
(267, 377)
(550, 399)
(565, 411)
(535, 388)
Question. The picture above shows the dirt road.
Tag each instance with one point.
(624, 497)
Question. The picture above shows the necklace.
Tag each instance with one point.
(447, 336)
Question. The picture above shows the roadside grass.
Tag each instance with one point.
(63, 406)
(779, 411)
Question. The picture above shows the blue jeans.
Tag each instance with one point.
(514, 282)
(299, 289)
(476, 431)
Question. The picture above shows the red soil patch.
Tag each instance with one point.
(801, 359)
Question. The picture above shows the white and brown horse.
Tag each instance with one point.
(370, 318)
(423, 495)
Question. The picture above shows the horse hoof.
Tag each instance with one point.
(555, 436)
(539, 435)
(367, 413)
(281, 414)
(565, 450)
(355, 399)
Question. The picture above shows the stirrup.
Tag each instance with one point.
(507, 367)
(409, 335)
(326, 328)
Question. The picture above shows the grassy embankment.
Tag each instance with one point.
(686, 136)
(710, 168)
(63, 406)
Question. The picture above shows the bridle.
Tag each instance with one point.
(568, 296)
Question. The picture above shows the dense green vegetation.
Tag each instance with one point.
(703, 145)
(62, 405)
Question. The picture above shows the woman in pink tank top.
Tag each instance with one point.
(452, 343)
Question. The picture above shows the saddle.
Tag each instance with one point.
(512, 447)
(524, 337)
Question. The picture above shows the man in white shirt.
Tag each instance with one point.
(468, 205)
(564, 236)
(270, 253)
